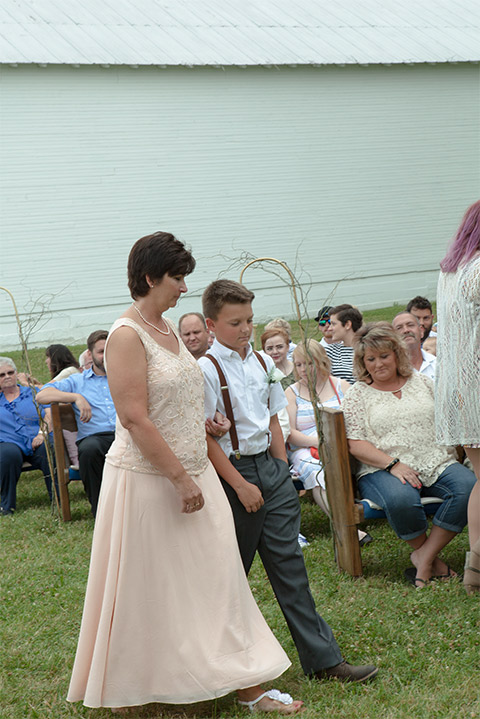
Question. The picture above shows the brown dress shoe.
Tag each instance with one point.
(346, 672)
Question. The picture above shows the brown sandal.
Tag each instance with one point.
(471, 574)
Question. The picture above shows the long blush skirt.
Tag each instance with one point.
(168, 614)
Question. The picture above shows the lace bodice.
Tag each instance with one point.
(457, 392)
(175, 406)
(403, 428)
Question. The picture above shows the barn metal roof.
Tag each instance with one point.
(238, 32)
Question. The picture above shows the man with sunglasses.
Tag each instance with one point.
(323, 320)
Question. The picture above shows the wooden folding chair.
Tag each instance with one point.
(63, 417)
(346, 510)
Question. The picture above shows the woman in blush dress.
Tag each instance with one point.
(457, 385)
(168, 616)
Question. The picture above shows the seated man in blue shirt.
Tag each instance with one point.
(95, 413)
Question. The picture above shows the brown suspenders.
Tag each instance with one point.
(228, 402)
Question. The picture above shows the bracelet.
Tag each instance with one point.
(392, 464)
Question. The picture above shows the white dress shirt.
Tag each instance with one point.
(428, 364)
(254, 399)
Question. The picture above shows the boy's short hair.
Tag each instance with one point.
(345, 312)
(283, 324)
(224, 292)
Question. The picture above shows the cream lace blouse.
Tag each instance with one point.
(403, 428)
(175, 406)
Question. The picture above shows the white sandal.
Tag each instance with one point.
(274, 695)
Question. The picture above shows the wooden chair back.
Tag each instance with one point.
(345, 514)
(63, 417)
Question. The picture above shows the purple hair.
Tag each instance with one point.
(466, 242)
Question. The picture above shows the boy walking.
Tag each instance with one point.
(252, 464)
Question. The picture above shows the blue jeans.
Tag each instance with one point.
(401, 502)
(11, 460)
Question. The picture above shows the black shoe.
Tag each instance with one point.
(346, 672)
(6, 512)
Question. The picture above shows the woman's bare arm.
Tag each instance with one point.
(299, 439)
(366, 452)
(127, 379)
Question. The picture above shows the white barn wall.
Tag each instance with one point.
(357, 175)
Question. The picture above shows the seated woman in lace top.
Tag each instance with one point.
(390, 423)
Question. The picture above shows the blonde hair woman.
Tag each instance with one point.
(310, 358)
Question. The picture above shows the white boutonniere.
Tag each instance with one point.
(274, 375)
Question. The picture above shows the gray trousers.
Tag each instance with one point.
(273, 531)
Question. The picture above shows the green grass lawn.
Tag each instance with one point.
(426, 643)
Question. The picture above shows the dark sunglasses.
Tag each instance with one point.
(7, 374)
(322, 323)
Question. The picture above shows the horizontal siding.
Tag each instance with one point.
(357, 177)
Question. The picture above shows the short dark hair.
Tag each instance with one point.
(60, 358)
(95, 337)
(156, 255)
(344, 313)
(192, 314)
(419, 303)
(224, 292)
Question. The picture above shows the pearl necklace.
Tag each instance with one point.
(162, 332)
